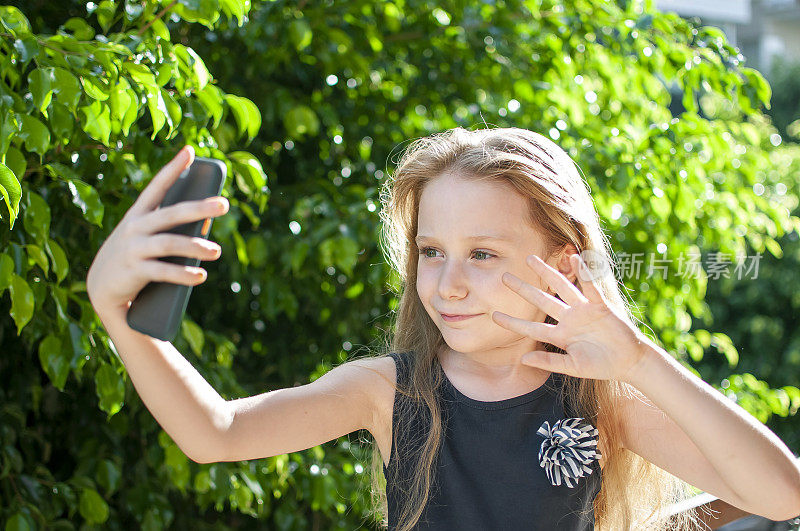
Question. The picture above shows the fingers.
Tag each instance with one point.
(155, 191)
(539, 331)
(563, 287)
(159, 271)
(183, 212)
(167, 244)
(535, 296)
(586, 279)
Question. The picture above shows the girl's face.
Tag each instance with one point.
(469, 234)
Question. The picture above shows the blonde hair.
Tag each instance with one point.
(634, 493)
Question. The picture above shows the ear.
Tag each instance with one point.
(561, 260)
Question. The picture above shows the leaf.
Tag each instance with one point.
(246, 164)
(234, 8)
(193, 334)
(105, 14)
(257, 251)
(58, 258)
(27, 48)
(20, 522)
(299, 254)
(40, 83)
(36, 218)
(97, 121)
(14, 21)
(160, 29)
(301, 120)
(95, 87)
(119, 102)
(62, 122)
(211, 99)
(85, 197)
(67, 88)
(22, 301)
(247, 115)
(9, 127)
(54, 360)
(36, 254)
(763, 90)
(79, 28)
(93, 507)
(300, 34)
(158, 110)
(140, 73)
(6, 270)
(178, 466)
(12, 193)
(194, 64)
(108, 475)
(174, 113)
(205, 12)
(34, 133)
(110, 389)
(15, 161)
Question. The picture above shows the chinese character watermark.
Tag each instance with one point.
(689, 265)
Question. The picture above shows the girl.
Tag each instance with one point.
(518, 392)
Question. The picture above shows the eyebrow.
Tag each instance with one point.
(482, 237)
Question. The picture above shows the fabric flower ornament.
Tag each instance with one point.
(570, 446)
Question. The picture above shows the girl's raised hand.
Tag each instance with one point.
(128, 258)
(599, 344)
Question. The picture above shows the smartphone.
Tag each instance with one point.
(158, 308)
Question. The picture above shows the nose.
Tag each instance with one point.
(452, 281)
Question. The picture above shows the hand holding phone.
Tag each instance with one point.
(149, 263)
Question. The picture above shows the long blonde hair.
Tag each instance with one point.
(634, 493)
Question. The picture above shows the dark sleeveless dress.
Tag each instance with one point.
(489, 475)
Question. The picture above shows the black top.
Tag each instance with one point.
(490, 474)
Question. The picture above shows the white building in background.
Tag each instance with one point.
(761, 29)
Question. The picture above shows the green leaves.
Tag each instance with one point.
(54, 360)
(37, 218)
(192, 66)
(34, 133)
(110, 388)
(12, 193)
(92, 506)
(22, 300)
(86, 198)
(334, 110)
(193, 335)
(14, 21)
(247, 115)
(300, 121)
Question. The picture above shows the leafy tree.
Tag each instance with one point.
(95, 97)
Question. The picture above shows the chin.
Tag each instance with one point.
(461, 342)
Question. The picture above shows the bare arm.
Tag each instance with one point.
(178, 396)
(692, 431)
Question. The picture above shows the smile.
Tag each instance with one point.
(451, 318)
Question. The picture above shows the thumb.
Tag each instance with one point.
(155, 191)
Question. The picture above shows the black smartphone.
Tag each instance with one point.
(158, 308)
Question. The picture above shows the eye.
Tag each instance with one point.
(424, 251)
(485, 253)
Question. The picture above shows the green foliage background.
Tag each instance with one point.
(309, 105)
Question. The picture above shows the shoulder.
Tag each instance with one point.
(377, 378)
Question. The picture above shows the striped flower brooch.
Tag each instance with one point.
(568, 449)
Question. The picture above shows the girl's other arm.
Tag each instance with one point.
(692, 431)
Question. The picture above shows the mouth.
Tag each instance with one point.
(451, 318)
